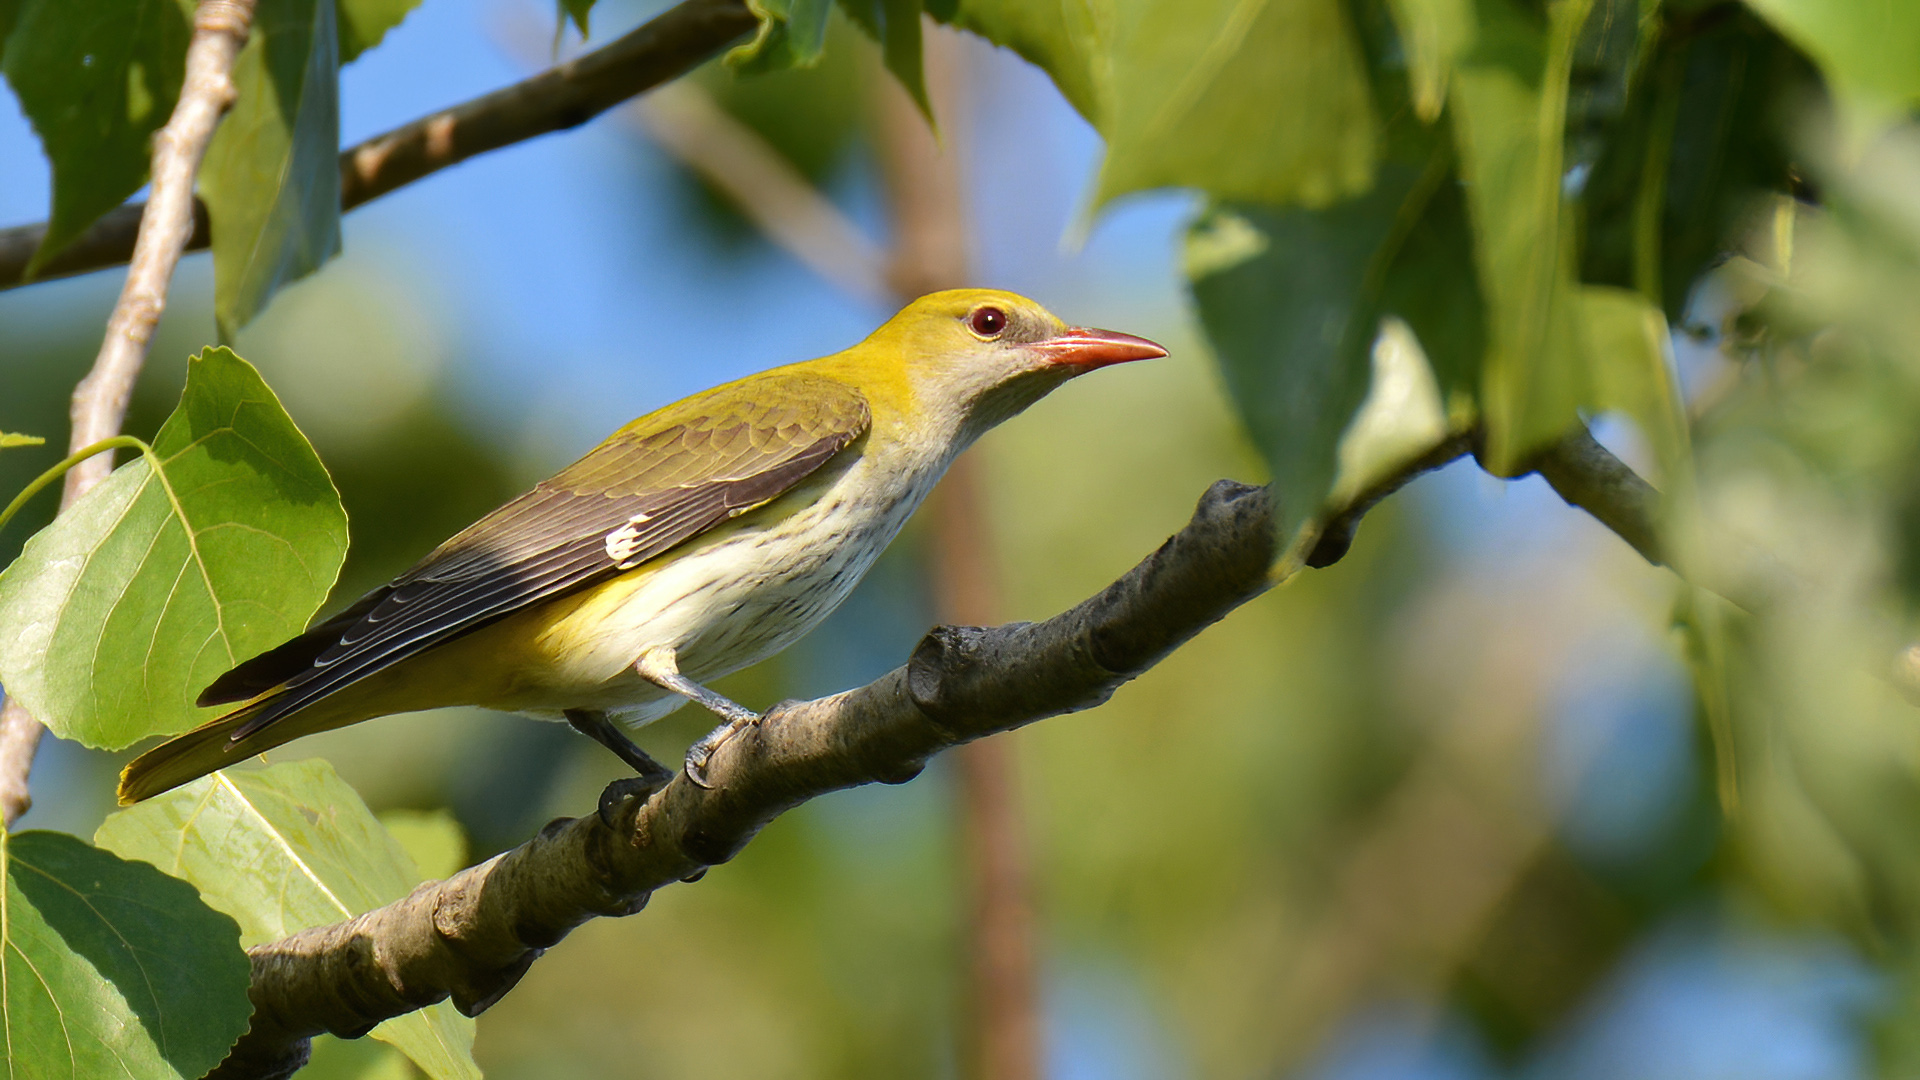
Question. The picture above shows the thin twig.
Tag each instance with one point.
(472, 936)
(565, 96)
(220, 28)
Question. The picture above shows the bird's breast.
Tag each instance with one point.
(735, 595)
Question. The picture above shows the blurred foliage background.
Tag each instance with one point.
(1491, 797)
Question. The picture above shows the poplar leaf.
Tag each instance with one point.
(271, 180)
(172, 570)
(111, 968)
(314, 854)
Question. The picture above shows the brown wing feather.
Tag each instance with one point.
(660, 481)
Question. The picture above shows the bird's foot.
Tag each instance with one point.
(631, 787)
(700, 754)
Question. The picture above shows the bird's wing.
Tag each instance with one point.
(660, 481)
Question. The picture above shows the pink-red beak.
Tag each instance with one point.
(1082, 347)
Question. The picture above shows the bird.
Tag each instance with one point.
(696, 540)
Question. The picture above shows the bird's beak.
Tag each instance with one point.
(1084, 348)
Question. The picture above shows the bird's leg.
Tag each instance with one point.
(653, 776)
(661, 667)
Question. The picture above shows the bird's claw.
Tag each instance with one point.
(700, 754)
(628, 787)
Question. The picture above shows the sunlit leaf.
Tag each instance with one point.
(433, 839)
(96, 78)
(1070, 40)
(118, 614)
(312, 854)
(1215, 95)
(1434, 33)
(10, 439)
(271, 179)
(363, 23)
(1402, 418)
(355, 1059)
(111, 968)
(1627, 346)
(1509, 102)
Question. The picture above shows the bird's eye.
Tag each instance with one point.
(988, 321)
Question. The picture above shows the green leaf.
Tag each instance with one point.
(1870, 53)
(1434, 33)
(116, 616)
(111, 968)
(1701, 142)
(9, 18)
(793, 33)
(314, 855)
(9, 439)
(1292, 301)
(1627, 341)
(895, 24)
(97, 78)
(363, 23)
(1509, 112)
(577, 10)
(355, 1059)
(271, 179)
(433, 839)
(1212, 94)
(1071, 41)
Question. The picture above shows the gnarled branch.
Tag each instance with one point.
(472, 936)
(563, 97)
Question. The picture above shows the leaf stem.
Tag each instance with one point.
(118, 442)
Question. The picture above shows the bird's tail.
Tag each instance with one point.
(211, 746)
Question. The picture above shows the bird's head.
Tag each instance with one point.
(975, 357)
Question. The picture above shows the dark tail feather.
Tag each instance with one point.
(186, 757)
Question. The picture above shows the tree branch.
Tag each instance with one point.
(563, 97)
(1588, 476)
(220, 28)
(472, 936)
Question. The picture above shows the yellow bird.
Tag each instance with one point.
(696, 540)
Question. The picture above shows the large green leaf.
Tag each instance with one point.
(1281, 294)
(111, 968)
(1247, 100)
(1870, 53)
(271, 179)
(282, 849)
(117, 615)
(1509, 108)
(362, 23)
(1292, 301)
(1214, 95)
(96, 78)
(1071, 40)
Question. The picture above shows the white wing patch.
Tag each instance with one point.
(625, 540)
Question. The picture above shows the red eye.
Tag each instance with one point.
(988, 321)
